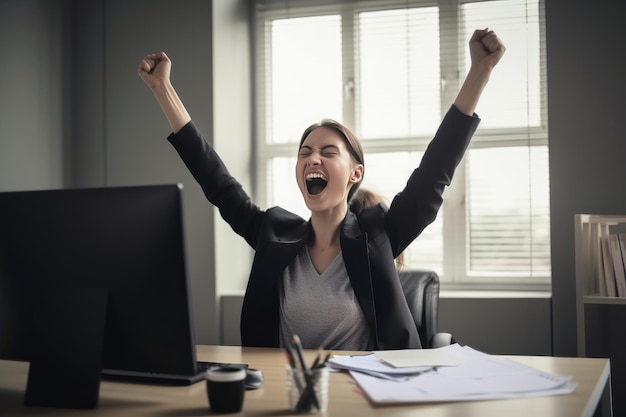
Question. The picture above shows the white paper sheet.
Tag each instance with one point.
(372, 365)
(477, 376)
(418, 357)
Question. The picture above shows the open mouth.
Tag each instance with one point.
(315, 183)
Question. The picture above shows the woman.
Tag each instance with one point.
(330, 280)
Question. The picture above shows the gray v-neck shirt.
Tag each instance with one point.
(321, 309)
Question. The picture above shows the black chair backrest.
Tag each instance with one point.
(421, 289)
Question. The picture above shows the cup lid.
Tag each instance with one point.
(226, 374)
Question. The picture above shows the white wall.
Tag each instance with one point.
(232, 123)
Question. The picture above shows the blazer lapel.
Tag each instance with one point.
(356, 258)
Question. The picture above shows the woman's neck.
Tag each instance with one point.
(326, 227)
(325, 245)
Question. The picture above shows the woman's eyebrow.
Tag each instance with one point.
(321, 149)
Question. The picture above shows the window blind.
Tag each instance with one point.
(390, 70)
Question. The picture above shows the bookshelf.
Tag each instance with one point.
(591, 284)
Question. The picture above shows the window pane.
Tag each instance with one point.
(398, 80)
(407, 65)
(426, 252)
(513, 95)
(305, 75)
(282, 187)
(508, 211)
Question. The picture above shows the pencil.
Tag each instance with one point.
(294, 369)
(300, 352)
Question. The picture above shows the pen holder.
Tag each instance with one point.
(307, 394)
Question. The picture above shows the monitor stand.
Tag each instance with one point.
(67, 348)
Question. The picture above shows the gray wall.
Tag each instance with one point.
(74, 113)
(499, 324)
(586, 90)
(508, 324)
(33, 123)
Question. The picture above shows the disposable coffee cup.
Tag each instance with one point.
(225, 389)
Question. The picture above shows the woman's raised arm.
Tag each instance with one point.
(155, 69)
(486, 49)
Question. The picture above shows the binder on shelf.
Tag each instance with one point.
(608, 270)
(622, 242)
(595, 266)
(593, 252)
(618, 263)
(600, 255)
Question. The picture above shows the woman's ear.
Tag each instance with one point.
(357, 174)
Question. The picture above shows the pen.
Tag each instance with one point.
(323, 364)
(309, 390)
(317, 360)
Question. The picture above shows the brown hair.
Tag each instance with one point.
(365, 198)
(352, 143)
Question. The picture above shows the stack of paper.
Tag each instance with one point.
(452, 373)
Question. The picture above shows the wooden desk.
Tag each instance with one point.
(123, 399)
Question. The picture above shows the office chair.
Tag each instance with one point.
(421, 289)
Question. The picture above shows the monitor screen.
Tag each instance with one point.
(128, 240)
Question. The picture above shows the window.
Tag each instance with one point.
(390, 70)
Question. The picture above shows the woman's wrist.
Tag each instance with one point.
(472, 88)
(172, 106)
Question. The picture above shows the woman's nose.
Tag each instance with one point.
(313, 159)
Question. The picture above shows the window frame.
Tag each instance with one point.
(455, 274)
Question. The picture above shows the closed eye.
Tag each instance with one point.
(326, 151)
(329, 150)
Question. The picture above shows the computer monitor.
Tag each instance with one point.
(126, 240)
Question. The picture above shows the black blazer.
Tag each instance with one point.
(369, 242)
